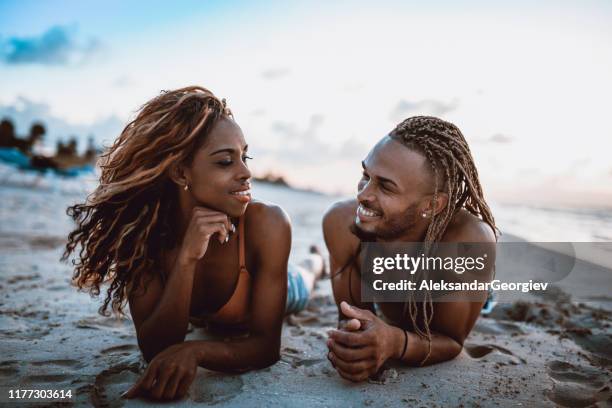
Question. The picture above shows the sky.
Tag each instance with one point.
(314, 85)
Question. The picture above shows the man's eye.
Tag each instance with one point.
(365, 176)
(384, 187)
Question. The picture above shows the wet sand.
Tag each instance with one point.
(543, 352)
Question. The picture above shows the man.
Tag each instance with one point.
(419, 184)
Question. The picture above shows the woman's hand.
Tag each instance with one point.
(169, 374)
(203, 225)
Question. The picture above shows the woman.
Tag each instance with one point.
(174, 230)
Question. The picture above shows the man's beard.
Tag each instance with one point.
(391, 230)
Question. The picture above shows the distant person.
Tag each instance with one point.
(91, 152)
(419, 184)
(71, 148)
(7, 133)
(37, 131)
(175, 229)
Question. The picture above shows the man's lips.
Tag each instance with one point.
(366, 213)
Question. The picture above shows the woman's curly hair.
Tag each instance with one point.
(126, 223)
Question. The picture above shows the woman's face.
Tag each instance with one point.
(219, 177)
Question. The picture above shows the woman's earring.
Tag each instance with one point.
(186, 187)
(424, 215)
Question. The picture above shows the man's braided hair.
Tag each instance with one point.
(455, 174)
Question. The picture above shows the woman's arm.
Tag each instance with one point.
(172, 371)
(272, 244)
(161, 313)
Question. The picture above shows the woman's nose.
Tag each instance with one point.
(245, 172)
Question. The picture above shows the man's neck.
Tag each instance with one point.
(414, 234)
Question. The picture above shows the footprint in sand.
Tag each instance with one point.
(598, 344)
(37, 379)
(60, 363)
(575, 386)
(123, 349)
(112, 382)
(494, 353)
(98, 323)
(493, 326)
(8, 369)
(214, 388)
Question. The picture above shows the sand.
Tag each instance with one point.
(543, 352)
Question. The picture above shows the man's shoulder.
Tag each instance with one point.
(340, 214)
(466, 227)
(336, 227)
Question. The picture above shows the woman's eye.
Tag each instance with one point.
(245, 158)
(225, 163)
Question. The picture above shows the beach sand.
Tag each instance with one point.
(542, 352)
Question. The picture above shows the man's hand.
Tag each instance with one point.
(169, 374)
(362, 345)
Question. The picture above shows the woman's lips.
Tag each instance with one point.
(244, 196)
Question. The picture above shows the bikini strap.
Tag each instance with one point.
(241, 260)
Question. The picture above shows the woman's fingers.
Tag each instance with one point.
(172, 385)
(134, 390)
(184, 384)
(144, 383)
(163, 376)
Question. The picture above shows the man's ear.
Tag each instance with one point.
(178, 174)
(431, 207)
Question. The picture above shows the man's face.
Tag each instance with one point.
(395, 186)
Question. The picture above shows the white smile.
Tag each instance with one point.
(241, 193)
(366, 212)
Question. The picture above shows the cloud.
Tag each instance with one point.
(500, 138)
(122, 81)
(497, 138)
(291, 131)
(24, 112)
(56, 46)
(405, 108)
(258, 112)
(275, 73)
(302, 145)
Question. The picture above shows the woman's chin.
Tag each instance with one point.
(236, 211)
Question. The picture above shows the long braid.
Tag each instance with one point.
(455, 174)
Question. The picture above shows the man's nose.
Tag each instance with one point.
(365, 192)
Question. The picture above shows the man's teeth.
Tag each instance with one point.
(245, 192)
(366, 212)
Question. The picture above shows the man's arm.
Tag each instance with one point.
(360, 353)
(342, 246)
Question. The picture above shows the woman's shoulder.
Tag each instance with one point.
(266, 218)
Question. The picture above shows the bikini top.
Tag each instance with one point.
(236, 310)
